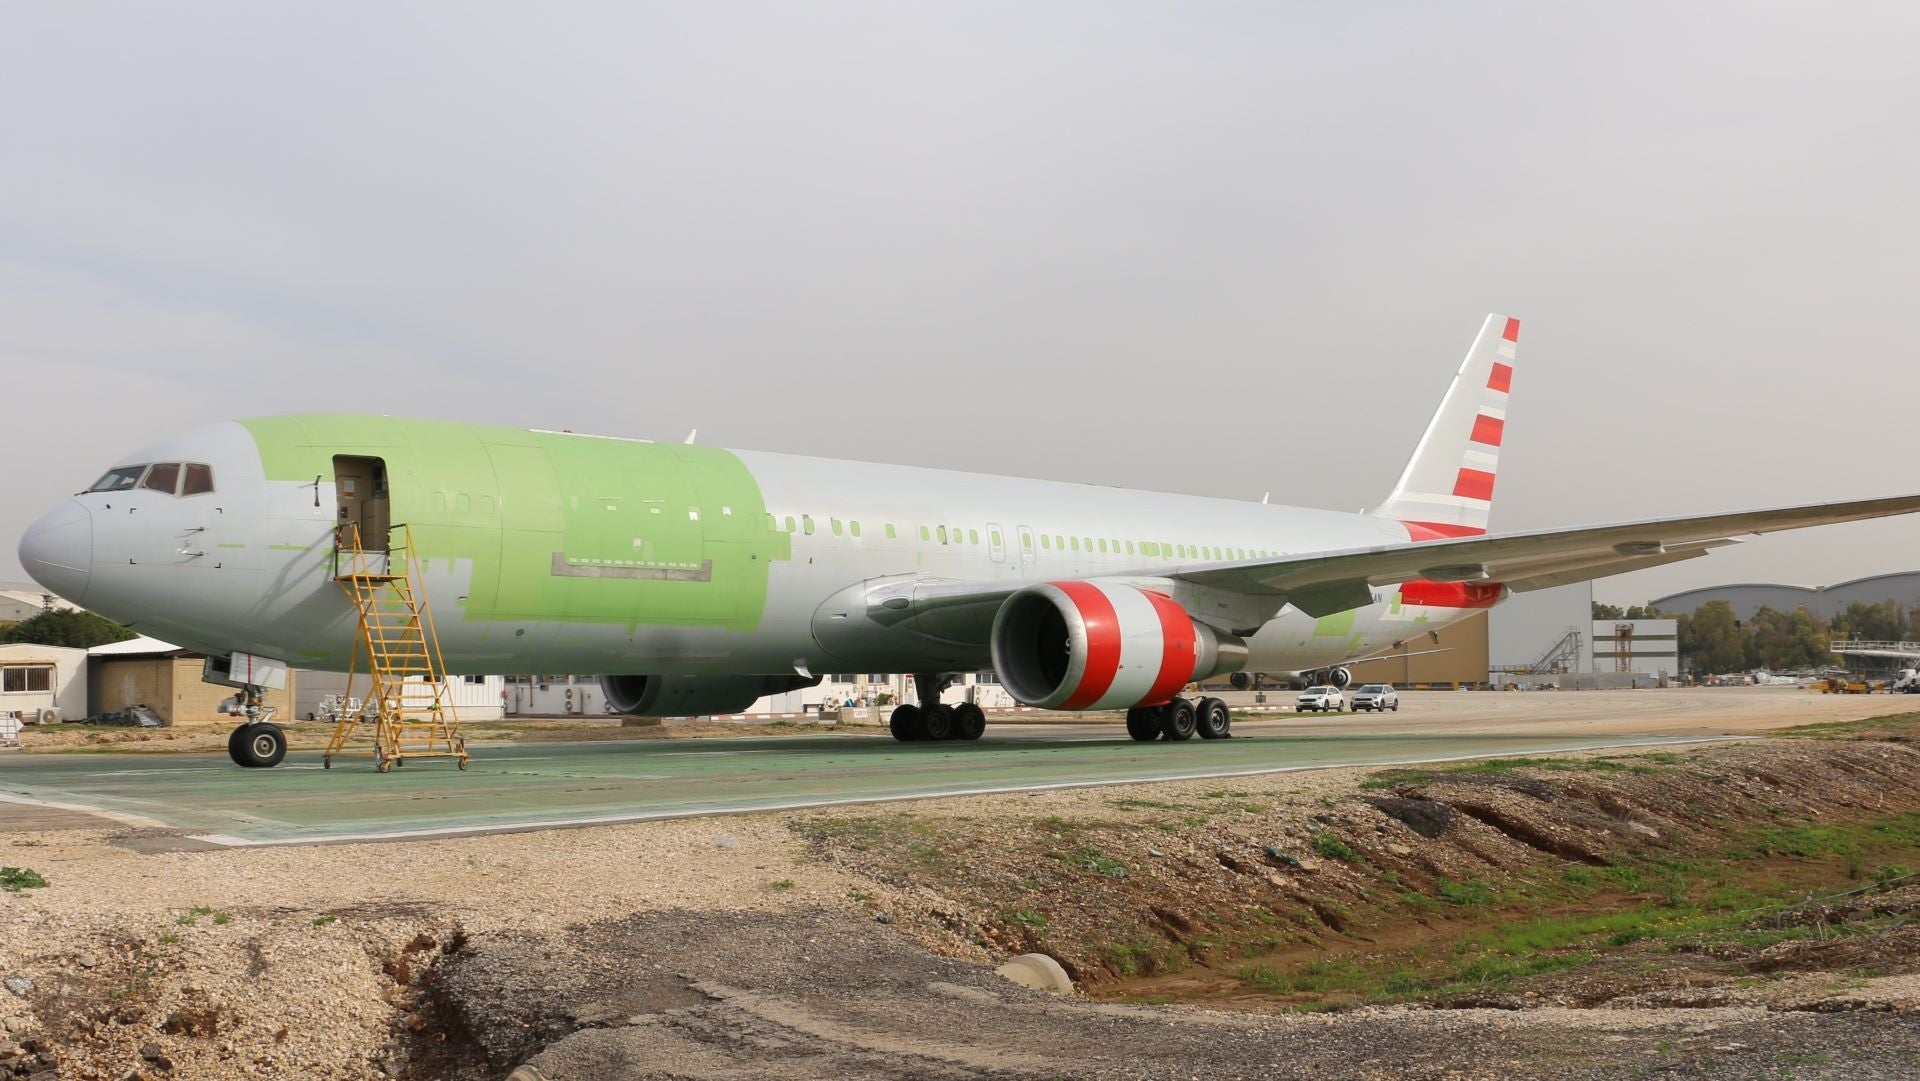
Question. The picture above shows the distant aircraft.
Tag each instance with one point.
(694, 580)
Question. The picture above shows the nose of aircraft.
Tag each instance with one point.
(57, 550)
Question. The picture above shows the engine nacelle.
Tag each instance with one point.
(692, 696)
(1339, 677)
(1097, 645)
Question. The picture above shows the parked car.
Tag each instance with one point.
(1321, 698)
(1376, 697)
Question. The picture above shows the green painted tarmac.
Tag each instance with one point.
(536, 785)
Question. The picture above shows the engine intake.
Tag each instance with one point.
(692, 696)
(1097, 645)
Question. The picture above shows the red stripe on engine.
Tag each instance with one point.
(1474, 484)
(1502, 377)
(1450, 594)
(1512, 333)
(1488, 430)
(1103, 642)
(1178, 655)
(1425, 531)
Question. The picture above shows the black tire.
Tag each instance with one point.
(1396, 707)
(235, 748)
(969, 721)
(937, 720)
(905, 723)
(1143, 724)
(264, 746)
(1177, 724)
(1212, 719)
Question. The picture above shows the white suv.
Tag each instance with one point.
(1376, 697)
(1318, 699)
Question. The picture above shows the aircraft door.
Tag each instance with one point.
(360, 497)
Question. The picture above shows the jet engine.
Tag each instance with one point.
(1339, 677)
(1098, 645)
(693, 696)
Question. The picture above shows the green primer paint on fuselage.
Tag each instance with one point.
(559, 527)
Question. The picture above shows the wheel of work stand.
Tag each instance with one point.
(463, 761)
(384, 765)
(326, 761)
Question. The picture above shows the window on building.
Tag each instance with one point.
(473, 681)
(26, 678)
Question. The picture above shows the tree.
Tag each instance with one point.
(1883, 622)
(1711, 640)
(75, 630)
(1607, 611)
(1646, 611)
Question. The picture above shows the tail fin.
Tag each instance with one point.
(1447, 488)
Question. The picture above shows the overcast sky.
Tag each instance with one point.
(1204, 247)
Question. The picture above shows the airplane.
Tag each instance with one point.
(693, 579)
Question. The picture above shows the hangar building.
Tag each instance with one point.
(1747, 598)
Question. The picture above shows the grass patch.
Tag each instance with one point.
(323, 921)
(1469, 894)
(15, 879)
(781, 886)
(1334, 848)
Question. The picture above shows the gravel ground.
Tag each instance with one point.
(719, 948)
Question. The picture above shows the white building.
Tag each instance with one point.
(43, 684)
(474, 698)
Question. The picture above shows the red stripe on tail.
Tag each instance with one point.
(1502, 377)
(1488, 430)
(1474, 484)
(1426, 531)
(1512, 333)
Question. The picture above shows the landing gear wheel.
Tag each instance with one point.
(905, 723)
(1177, 725)
(1212, 719)
(938, 721)
(235, 747)
(1143, 723)
(263, 745)
(969, 721)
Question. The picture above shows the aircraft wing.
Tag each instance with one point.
(1240, 595)
(1326, 582)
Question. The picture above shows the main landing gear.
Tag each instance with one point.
(933, 719)
(1181, 720)
(257, 743)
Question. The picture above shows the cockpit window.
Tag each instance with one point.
(119, 480)
(199, 480)
(164, 477)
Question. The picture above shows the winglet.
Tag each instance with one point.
(1447, 488)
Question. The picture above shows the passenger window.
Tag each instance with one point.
(1046, 542)
(1076, 543)
(806, 524)
(199, 480)
(836, 526)
(854, 528)
(973, 536)
(789, 523)
(890, 533)
(1103, 544)
(164, 477)
(925, 534)
(942, 531)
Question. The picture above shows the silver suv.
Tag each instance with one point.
(1376, 697)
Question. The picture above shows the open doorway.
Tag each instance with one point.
(360, 492)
